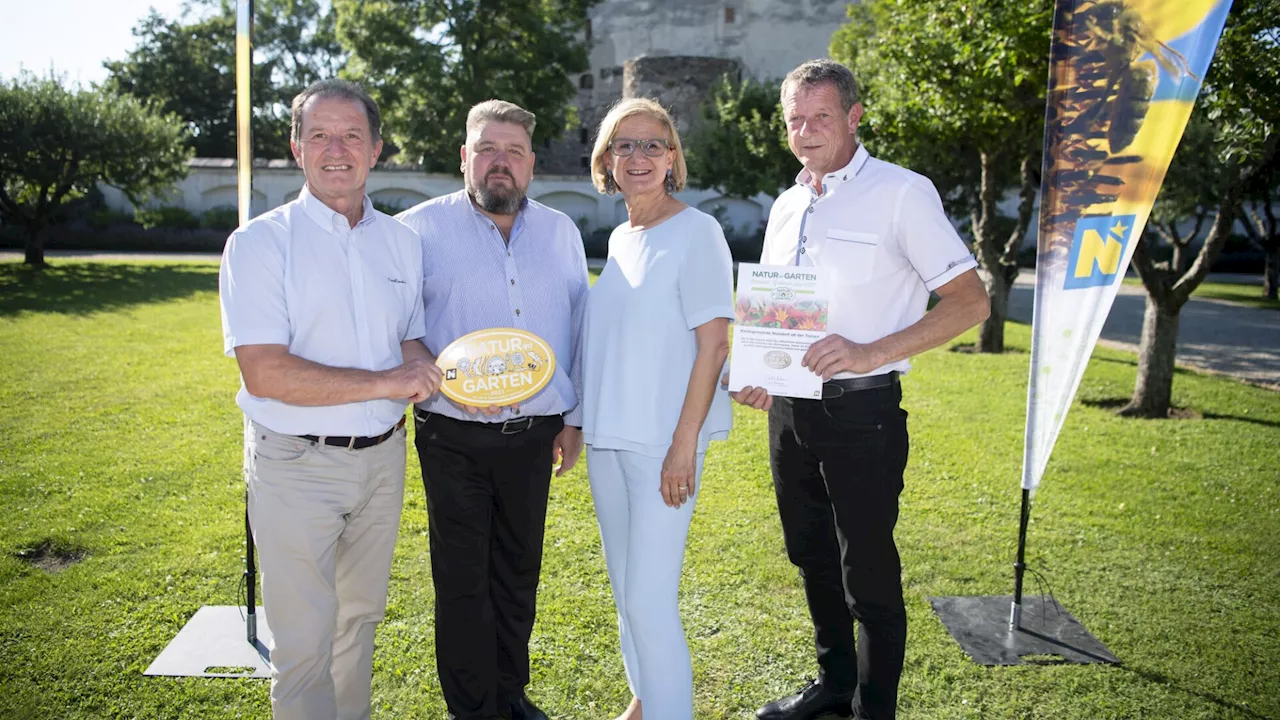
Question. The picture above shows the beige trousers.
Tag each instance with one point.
(325, 521)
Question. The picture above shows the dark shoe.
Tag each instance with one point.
(812, 702)
(522, 708)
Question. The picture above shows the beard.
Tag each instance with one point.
(497, 200)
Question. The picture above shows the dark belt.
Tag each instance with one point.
(838, 387)
(507, 427)
(355, 443)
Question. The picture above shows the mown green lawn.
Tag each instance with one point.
(1250, 295)
(121, 440)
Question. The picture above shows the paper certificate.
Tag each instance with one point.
(781, 311)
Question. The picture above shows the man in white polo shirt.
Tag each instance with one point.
(322, 311)
(880, 232)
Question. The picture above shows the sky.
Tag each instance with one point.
(73, 36)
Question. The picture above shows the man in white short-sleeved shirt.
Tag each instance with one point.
(880, 232)
(321, 310)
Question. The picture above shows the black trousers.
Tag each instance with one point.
(837, 471)
(487, 507)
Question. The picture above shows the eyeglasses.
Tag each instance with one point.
(626, 147)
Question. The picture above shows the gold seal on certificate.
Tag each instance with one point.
(498, 366)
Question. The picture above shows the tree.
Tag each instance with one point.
(189, 69)
(428, 61)
(1259, 220)
(57, 144)
(955, 91)
(1241, 105)
(740, 145)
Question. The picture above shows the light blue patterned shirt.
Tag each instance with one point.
(473, 280)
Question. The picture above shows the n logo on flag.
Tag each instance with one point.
(1097, 249)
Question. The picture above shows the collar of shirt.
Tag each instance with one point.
(328, 218)
(516, 227)
(472, 282)
(838, 177)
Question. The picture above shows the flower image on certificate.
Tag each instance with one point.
(781, 311)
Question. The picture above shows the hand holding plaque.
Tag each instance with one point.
(495, 367)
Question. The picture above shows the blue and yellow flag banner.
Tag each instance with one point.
(1123, 76)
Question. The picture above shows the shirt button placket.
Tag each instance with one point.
(514, 296)
(356, 267)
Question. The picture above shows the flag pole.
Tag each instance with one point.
(210, 644)
(244, 196)
(244, 108)
(1020, 566)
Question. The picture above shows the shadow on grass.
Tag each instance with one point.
(1178, 413)
(972, 349)
(51, 555)
(82, 288)
(1238, 418)
(1114, 403)
(1160, 678)
(1118, 361)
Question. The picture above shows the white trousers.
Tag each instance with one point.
(325, 520)
(644, 551)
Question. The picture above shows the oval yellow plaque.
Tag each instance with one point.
(498, 366)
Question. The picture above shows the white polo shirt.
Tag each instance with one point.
(881, 234)
(346, 297)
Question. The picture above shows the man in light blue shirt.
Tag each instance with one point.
(493, 258)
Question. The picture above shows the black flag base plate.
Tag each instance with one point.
(1047, 635)
(213, 644)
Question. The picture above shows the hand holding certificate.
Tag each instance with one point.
(781, 311)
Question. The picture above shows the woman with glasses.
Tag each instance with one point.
(657, 335)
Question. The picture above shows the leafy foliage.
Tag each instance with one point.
(56, 144)
(189, 70)
(1227, 157)
(740, 145)
(955, 91)
(173, 217)
(428, 61)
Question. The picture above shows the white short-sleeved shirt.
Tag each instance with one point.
(346, 297)
(659, 285)
(881, 232)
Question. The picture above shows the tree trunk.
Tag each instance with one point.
(1271, 273)
(991, 333)
(1153, 392)
(36, 238)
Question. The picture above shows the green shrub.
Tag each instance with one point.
(224, 218)
(105, 217)
(167, 216)
(388, 208)
(596, 243)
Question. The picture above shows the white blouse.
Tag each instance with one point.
(659, 284)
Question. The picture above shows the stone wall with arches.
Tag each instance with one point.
(211, 184)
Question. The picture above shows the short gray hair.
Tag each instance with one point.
(817, 72)
(500, 111)
(335, 88)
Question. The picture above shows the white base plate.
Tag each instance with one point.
(214, 640)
